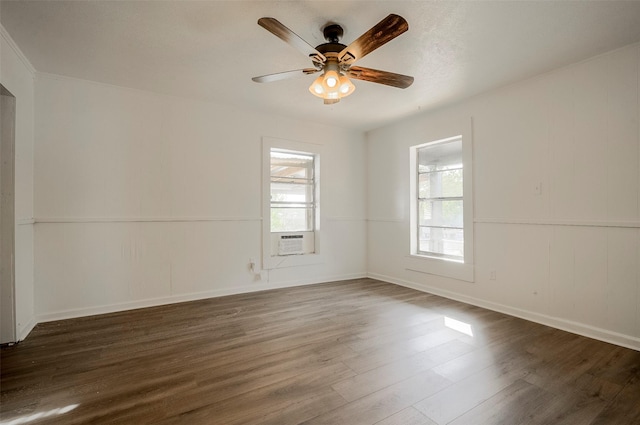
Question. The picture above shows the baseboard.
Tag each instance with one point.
(173, 299)
(554, 322)
(26, 329)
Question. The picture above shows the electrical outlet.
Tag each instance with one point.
(492, 275)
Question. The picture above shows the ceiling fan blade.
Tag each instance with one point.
(284, 75)
(276, 28)
(381, 77)
(383, 32)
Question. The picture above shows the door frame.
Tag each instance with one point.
(8, 332)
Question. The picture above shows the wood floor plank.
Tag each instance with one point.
(624, 409)
(322, 402)
(391, 334)
(376, 379)
(253, 406)
(380, 405)
(519, 403)
(572, 409)
(340, 353)
(408, 416)
(398, 350)
(496, 355)
(455, 400)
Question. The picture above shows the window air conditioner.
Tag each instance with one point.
(291, 245)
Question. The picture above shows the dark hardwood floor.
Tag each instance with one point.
(342, 353)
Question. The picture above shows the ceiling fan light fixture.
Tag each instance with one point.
(335, 90)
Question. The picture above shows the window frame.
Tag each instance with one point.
(431, 264)
(311, 204)
(270, 259)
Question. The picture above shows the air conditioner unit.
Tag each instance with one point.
(291, 245)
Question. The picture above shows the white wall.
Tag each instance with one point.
(17, 75)
(568, 257)
(144, 199)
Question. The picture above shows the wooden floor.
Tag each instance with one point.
(343, 353)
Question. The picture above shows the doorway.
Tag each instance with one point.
(7, 216)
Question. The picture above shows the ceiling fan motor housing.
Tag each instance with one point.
(332, 33)
(330, 48)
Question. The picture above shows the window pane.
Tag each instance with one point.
(291, 219)
(440, 184)
(441, 156)
(440, 213)
(440, 199)
(449, 242)
(424, 186)
(291, 166)
(291, 192)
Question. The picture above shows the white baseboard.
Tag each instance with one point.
(153, 302)
(555, 322)
(26, 329)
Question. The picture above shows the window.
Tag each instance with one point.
(292, 191)
(440, 199)
(440, 229)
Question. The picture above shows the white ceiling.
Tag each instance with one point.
(211, 49)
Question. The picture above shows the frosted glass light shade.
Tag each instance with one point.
(331, 79)
(332, 86)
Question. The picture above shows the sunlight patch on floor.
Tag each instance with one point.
(40, 415)
(459, 326)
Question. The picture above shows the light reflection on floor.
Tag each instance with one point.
(459, 326)
(40, 415)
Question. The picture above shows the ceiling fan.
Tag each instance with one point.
(335, 60)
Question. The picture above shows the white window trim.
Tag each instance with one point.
(432, 264)
(270, 262)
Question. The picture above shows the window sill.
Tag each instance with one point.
(434, 257)
(445, 267)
